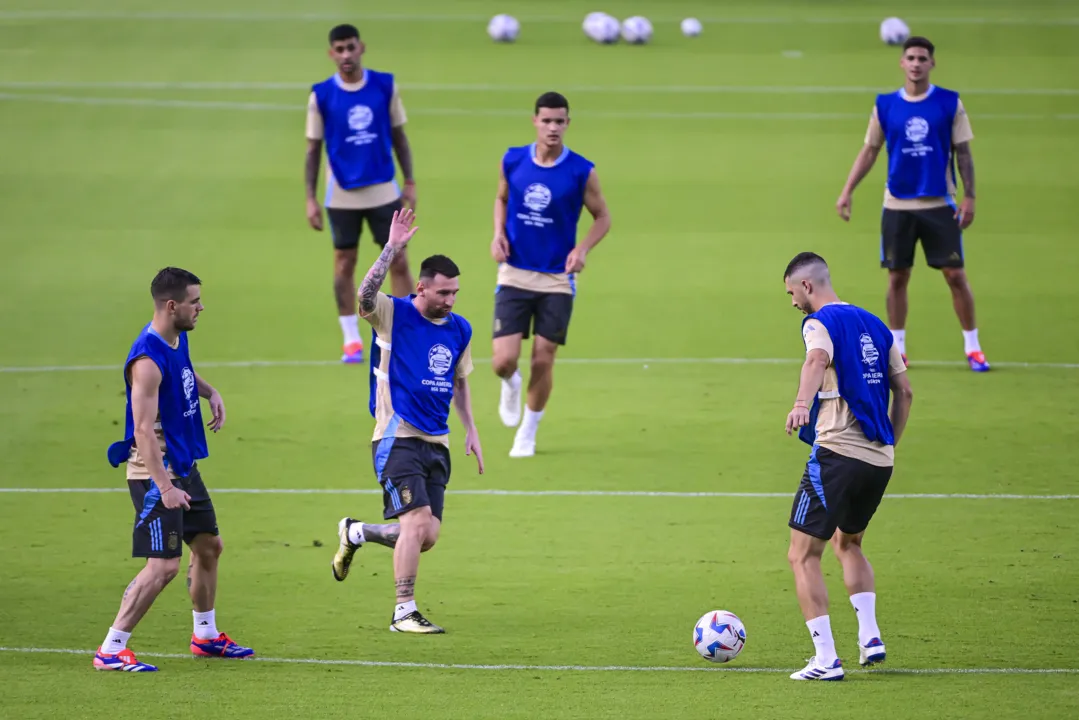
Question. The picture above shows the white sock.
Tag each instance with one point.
(900, 338)
(970, 341)
(515, 381)
(350, 328)
(530, 424)
(115, 641)
(403, 609)
(205, 625)
(865, 605)
(355, 534)
(820, 628)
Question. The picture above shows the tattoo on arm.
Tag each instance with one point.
(406, 588)
(382, 534)
(965, 160)
(403, 151)
(310, 169)
(373, 281)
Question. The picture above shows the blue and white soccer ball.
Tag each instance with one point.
(601, 27)
(636, 30)
(894, 31)
(691, 27)
(719, 636)
(503, 28)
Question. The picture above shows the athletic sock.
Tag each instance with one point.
(355, 534)
(403, 609)
(530, 424)
(350, 328)
(205, 625)
(970, 341)
(820, 629)
(900, 339)
(865, 605)
(115, 641)
(515, 380)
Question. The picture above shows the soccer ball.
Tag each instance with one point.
(601, 27)
(503, 28)
(691, 27)
(894, 31)
(636, 30)
(719, 636)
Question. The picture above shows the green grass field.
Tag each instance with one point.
(576, 590)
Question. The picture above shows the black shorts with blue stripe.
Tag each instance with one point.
(413, 473)
(837, 492)
(158, 530)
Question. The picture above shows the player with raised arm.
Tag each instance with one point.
(841, 410)
(163, 441)
(542, 188)
(423, 361)
(359, 116)
(927, 132)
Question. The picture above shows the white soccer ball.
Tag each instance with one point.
(719, 636)
(894, 31)
(636, 30)
(691, 27)
(503, 28)
(601, 27)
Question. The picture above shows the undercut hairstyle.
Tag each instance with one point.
(438, 265)
(803, 261)
(171, 283)
(918, 41)
(344, 32)
(552, 101)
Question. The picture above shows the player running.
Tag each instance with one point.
(163, 440)
(423, 355)
(841, 410)
(542, 188)
(359, 114)
(927, 132)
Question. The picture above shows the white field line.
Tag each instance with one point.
(484, 112)
(784, 90)
(570, 668)
(546, 493)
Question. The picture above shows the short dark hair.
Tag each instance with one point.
(343, 32)
(438, 265)
(919, 42)
(551, 101)
(802, 260)
(171, 283)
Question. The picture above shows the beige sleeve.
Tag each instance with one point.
(874, 134)
(961, 130)
(464, 363)
(314, 119)
(817, 338)
(895, 361)
(397, 109)
(381, 318)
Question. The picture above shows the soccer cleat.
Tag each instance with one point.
(342, 560)
(509, 403)
(414, 622)
(816, 671)
(124, 661)
(222, 646)
(871, 653)
(353, 353)
(523, 448)
(977, 361)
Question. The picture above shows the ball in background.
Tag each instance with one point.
(636, 30)
(601, 27)
(719, 636)
(503, 28)
(894, 31)
(691, 27)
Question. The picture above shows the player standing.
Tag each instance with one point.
(842, 410)
(424, 359)
(542, 189)
(163, 440)
(927, 132)
(359, 114)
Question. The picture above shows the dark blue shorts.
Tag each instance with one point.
(413, 474)
(158, 530)
(837, 492)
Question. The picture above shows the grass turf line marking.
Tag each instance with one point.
(570, 668)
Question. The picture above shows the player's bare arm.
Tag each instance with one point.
(867, 157)
(601, 224)
(403, 151)
(310, 173)
(217, 405)
(902, 398)
(964, 160)
(462, 401)
(401, 231)
(500, 246)
(145, 383)
(808, 387)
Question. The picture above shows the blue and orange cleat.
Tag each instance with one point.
(222, 646)
(977, 361)
(123, 661)
(353, 353)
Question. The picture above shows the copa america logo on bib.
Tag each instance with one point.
(439, 359)
(537, 197)
(360, 117)
(869, 350)
(917, 129)
(188, 379)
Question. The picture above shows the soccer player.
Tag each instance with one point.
(542, 188)
(424, 356)
(841, 410)
(359, 114)
(927, 132)
(163, 440)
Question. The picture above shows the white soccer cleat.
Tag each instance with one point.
(816, 671)
(871, 653)
(523, 448)
(509, 404)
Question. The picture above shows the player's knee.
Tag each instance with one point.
(163, 570)
(955, 277)
(344, 265)
(899, 279)
(504, 365)
(844, 543)
(209, 549)
(542, 362)
(802, 553)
